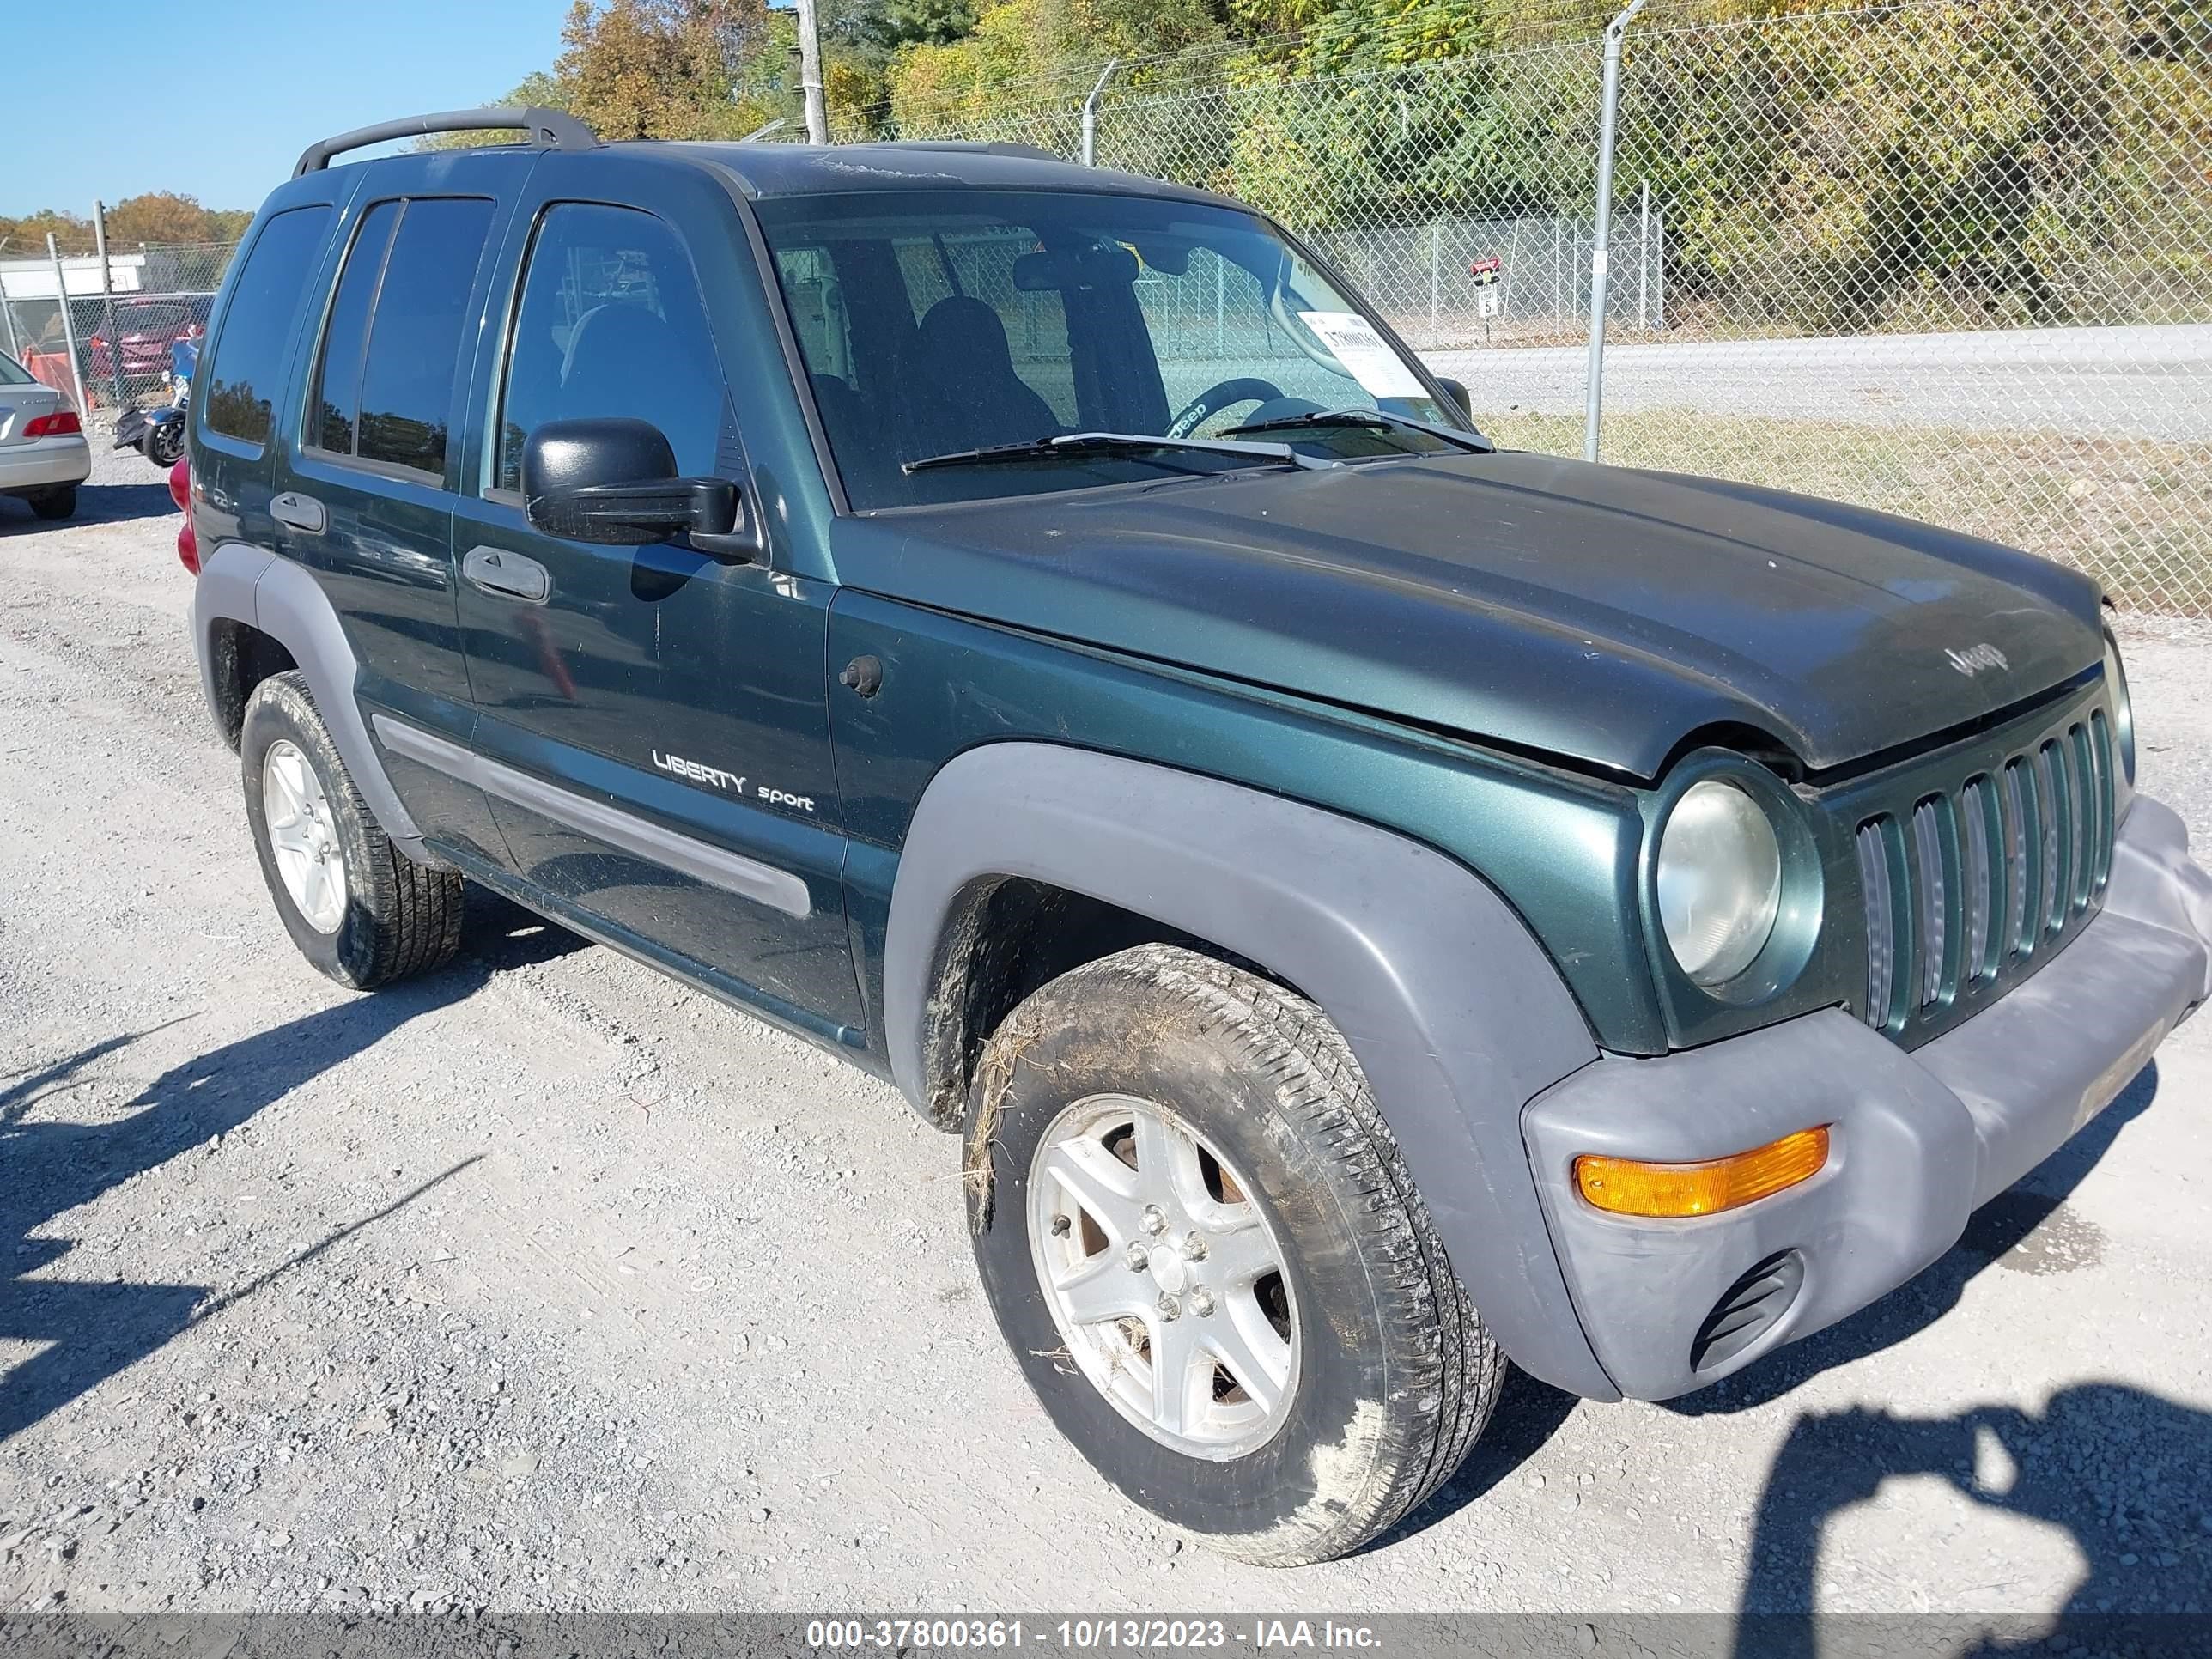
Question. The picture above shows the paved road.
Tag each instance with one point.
(2153, 383)
(545, 1283)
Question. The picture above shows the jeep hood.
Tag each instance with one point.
(1595, 613)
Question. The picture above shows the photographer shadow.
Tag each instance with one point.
(2125, 1473)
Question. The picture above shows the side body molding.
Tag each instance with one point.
(1455, 1014)
(245, 584)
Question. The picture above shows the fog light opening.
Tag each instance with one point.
(1627, 1186)
(1752, 1307)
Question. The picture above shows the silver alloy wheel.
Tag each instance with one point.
(1163, 1278)
(304, 836)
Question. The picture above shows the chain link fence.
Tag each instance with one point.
(1951, 259)
(105, 332)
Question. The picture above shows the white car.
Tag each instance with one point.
(43, 453)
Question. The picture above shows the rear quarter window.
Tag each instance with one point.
(256, 328)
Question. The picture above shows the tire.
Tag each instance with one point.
(389, 917)
(164, 444)
(57, 503)
(1394, 1373)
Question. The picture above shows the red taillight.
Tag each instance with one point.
(181, 484)
(188, 550)
(61, 422)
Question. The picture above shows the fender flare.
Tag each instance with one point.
(1456, 1015)
(245, 584)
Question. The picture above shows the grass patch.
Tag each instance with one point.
(2136, 513)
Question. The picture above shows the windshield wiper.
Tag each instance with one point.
(1078, 443)
(1381, 420)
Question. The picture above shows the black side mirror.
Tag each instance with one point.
(1456, 390)
(614, 482)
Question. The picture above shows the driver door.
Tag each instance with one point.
(657, 720)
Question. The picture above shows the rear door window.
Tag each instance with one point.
(391, 350)
(257, 325)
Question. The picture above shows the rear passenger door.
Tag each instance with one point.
(366, 500)
(658, 719)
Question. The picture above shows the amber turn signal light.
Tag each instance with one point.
(1627, 1187)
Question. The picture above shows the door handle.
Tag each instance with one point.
(300, 512)
(502, 571)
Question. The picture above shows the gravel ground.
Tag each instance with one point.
(545, 1284)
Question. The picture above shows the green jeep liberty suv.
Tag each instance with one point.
(1376, 906)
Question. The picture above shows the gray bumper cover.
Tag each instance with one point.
(1919, 1139)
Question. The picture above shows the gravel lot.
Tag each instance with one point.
(547, 1284)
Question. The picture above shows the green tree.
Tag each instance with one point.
(659, 69)
(1037, 50)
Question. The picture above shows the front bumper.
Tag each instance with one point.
(1918, 1140)
(45, 463)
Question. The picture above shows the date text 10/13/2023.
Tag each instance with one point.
(1077, 1635)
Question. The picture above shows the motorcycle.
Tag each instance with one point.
(159, 433)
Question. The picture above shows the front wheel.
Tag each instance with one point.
(1209, 1259)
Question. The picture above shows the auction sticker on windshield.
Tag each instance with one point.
(1360, 349)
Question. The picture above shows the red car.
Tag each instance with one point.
(149, 325)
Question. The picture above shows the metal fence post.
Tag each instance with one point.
(1091, 113)
(1601, 257)
(108, 300)
(68, 328)
(1436, 278)
(1559, 306)
(1643, 263)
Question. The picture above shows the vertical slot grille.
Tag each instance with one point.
(2023, 840)
(1977, 829)
(2084, 814)
(1963, 890)
(2107, 797)
(2051, 787)
(1935, 894)
(1881, 932)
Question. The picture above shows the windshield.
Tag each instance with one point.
(940, 322)
(13, 373)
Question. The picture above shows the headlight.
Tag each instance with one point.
(2123, 708)
(1719, 880)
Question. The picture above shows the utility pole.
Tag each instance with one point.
(810, 73)
(108, 300)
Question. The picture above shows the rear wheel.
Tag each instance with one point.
(1211, 1263)
(359, 909)
(57, 503)
(164, 443)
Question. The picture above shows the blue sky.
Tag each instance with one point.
(225, 93)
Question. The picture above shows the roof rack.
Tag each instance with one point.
(549, 129)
